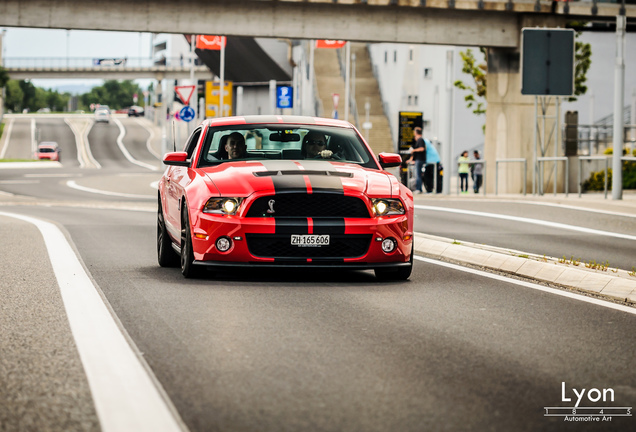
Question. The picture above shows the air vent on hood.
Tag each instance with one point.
(301, 172)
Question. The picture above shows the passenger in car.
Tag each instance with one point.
(235, 146)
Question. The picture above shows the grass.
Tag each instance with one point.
(22, 160)
(456, 242)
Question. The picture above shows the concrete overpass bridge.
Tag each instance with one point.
(447, 22)
(493, 24)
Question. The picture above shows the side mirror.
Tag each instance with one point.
(390, 160)
(176, 158)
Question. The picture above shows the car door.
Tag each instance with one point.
(177, 180)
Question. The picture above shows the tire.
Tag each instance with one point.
(166, 256)
(399, 274)
(188, 269)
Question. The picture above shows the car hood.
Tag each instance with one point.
(243, 178)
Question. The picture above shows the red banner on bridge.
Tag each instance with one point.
(211, 42)
(328, 43)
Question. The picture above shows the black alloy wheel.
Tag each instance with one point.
(188, 269)
(400, 274)
(166, 256)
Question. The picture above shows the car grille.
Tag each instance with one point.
(309, 206)
(279, 246)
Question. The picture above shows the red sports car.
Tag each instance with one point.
(49, 150)
(282, 191)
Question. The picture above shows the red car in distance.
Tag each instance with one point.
(49, 150)
(283, 191)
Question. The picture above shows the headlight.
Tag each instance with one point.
(387, 206)
(227, 206)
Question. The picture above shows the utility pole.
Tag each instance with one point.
(619, 85)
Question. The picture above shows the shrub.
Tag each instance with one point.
(596, 182)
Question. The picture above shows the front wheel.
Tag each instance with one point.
(188, 269)
(399, 274)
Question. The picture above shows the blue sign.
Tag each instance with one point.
(284, 97)
(187, 113)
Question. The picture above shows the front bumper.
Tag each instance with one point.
(207, 228)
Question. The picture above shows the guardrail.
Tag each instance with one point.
(93, 62)
(540, 161)
(525, 172)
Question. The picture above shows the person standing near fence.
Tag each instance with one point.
(478, 172)
(463, 170)
(418, 155)
(432, 167)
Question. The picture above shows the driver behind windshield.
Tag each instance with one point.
(313, 145)
(235, 146)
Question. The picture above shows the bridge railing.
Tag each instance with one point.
(91, 62)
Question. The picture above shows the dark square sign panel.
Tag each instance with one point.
(547, 62)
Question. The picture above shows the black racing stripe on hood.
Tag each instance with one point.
(292, 226)
(329, 226)
(321, 183)
(326, 184)
(285, 183)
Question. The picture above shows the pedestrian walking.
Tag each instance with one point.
(478, 172)
(463, 171)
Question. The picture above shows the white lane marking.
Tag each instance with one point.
(529, 221)
(7, 137)
(548, 204)
(73, 185)
(120, 143)
(84, 155)
(126, 396)
(9, 194)
(535, 286)
(51, 175)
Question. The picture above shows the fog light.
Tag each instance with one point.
(223, 244)
(388, 245)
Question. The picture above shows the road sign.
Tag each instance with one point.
(336, 98)
(187, 113)
(547, 61)
(284, 97)
(184, 93)
(408, 121)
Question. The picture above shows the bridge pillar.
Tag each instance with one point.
(509, 120)
(510, 117)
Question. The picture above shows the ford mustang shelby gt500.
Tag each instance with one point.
(278, 191)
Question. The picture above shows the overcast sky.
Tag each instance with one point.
(46, 43)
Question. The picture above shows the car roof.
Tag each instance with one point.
(48, 143)
(273, 119)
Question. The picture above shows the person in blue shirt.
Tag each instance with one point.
(432, 167)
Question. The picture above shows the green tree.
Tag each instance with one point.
(4, 77)
(115, 94)
(14, 96)
(476, 97)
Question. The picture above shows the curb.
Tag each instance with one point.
(613, 284)
(35, 164)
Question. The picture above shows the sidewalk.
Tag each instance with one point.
(611, 284)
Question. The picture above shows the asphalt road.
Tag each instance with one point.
(450, 349)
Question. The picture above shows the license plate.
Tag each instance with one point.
(310, 240)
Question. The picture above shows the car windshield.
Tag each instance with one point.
(284, 142)
(46, 150)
